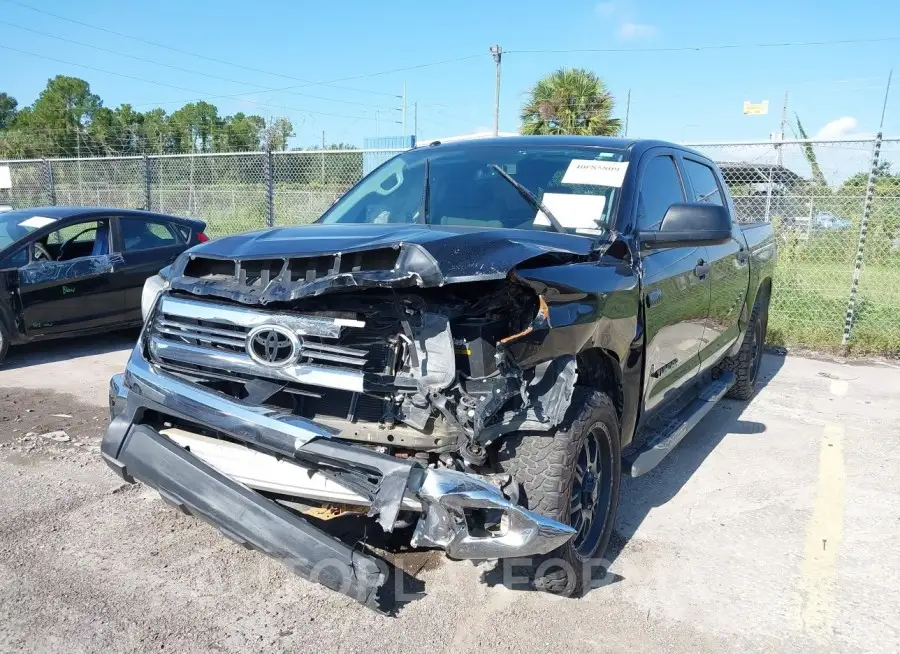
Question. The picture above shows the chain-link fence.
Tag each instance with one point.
(837, 280)
(233, 192)
(835, 206)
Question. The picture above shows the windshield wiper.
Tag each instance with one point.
(532, 199)
(426, 194)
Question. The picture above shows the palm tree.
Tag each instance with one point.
(570, 101)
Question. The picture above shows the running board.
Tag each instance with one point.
(662, 441)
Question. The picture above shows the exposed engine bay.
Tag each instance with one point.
(297, 387)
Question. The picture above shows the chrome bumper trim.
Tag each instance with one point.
(448, 494)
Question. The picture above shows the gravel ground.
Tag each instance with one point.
(773, 527)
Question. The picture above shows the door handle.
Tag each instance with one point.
(654, 297)
(702, 268)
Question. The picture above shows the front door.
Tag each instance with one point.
(67, 284)
(675, 288)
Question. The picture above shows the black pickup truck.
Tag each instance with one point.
(474, 343)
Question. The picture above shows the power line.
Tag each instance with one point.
(341, 79)
(184, 70)
(698, 48)
(193, 54)
(180, 88)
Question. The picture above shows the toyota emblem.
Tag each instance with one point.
(272, 345)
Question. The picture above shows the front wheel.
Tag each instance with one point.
(572, 476)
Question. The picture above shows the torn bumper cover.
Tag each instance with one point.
(136, 450)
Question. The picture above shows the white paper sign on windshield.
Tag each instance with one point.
(572, 211)
(36, 222)
(595, 173)
(5, 177)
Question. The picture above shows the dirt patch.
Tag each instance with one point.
(37, 425)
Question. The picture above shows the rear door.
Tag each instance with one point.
(675, 286)
(729, 266)
(74, 289)
(147, 244)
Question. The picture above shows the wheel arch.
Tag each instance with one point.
(600, 369)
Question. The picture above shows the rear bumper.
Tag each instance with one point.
(445, 498)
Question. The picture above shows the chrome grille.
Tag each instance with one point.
(205, 335)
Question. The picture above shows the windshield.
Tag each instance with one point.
(15, 225)
(578, 185)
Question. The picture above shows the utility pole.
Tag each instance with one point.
(404, 109)
(627, 111)
(784, 110)
(497, 51)
(323, 156)
(416, 120)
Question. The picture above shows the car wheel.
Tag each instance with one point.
(573, 476)
(4, 345)
(745, 365)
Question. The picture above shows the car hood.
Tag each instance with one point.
(426, 255)
(459, 250)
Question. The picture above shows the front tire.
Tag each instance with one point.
(572, 476)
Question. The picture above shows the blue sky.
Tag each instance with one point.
(676, 95)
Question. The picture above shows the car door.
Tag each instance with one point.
(675, 287)
(70, 293)
(729, 266)
(147, 244)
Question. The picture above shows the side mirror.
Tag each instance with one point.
(689, 225)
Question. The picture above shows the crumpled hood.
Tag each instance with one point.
(458, 251)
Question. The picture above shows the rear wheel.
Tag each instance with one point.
(572, 476)
(745, 364)
(4, 345)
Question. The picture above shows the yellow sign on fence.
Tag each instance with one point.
(756, 108)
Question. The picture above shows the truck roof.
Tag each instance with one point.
(634, 146)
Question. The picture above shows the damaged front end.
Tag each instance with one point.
(262, 392)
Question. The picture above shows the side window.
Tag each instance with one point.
(85, 239)
(16, 259)
(140, 234)
(703, 179)
(660, 189)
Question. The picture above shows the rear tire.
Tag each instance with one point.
(745, 364)
(573, 476)
(4, 345)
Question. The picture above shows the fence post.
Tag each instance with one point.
(148, 173)
(269, 172)
(861, 243)
(49, 183)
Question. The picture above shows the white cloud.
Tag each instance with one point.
(606, 9)
(838, 127)
(629, 30)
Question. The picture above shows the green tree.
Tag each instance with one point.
(156, 134)
(194, 126)
(570, 101)
(8, 106)
(241, 133)
(60, 114)
(278, 133)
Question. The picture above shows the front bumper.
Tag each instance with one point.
(446, 499)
